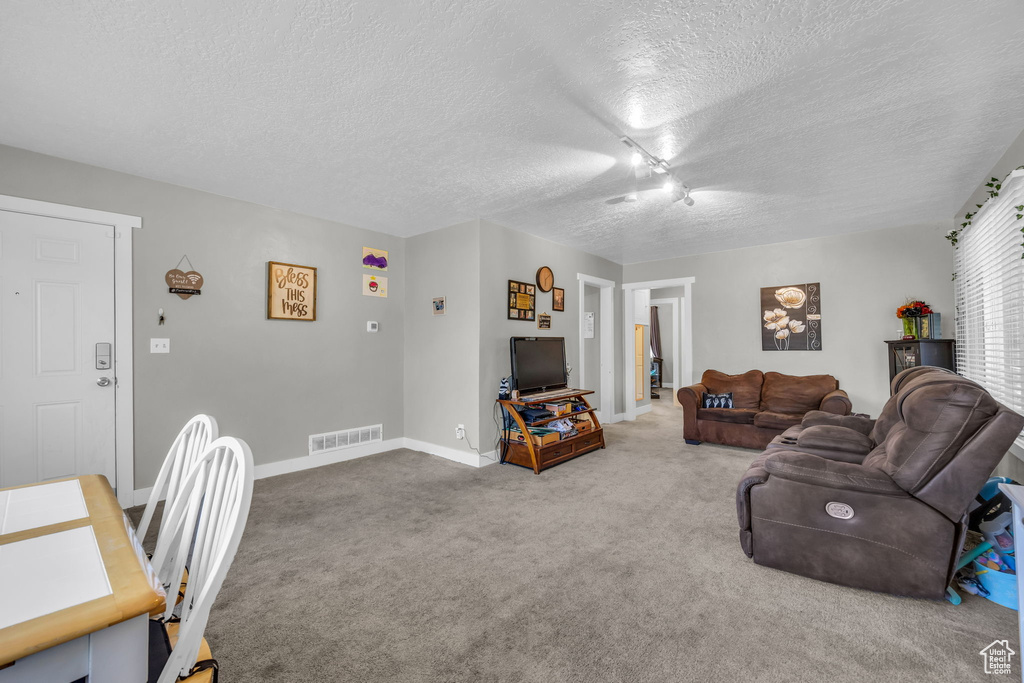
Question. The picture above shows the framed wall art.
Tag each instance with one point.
(522, 300)
(291, 292)
(375, 259)
(791, 317)
(375, 285)
(543, 321)
(558, 299)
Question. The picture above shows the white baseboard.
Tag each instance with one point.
(642, 410)
(466, 458)
(141, 496)
(273, 469)
(307, 462)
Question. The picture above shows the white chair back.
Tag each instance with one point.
(188, 447)
(212, 507)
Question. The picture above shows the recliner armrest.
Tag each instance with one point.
(836, 402)
(818, 471)
(689, 398)
(813, 418)
(835, 438)
(755, 476)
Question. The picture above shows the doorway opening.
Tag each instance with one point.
(682, 372)
(597, 338)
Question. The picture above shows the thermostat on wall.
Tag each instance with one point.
(371, 325)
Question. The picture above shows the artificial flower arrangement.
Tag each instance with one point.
(913, 309)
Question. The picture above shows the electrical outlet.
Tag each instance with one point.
(460, 432)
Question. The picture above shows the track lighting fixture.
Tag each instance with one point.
(645, 164)
(641, 155)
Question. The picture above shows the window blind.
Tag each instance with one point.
(989, 292)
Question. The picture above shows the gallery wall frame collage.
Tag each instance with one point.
(292, 288)
(522, 298)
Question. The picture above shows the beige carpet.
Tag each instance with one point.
(621, 565)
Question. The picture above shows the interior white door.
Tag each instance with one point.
(56, 382)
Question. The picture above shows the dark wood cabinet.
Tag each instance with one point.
(940, 353)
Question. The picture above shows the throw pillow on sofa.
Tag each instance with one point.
(745, 388)
(716, 400)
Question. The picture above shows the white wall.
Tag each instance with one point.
(270, 382)
(864, 277)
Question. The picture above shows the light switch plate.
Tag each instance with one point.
(159, 345)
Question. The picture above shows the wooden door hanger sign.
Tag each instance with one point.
(181, 283)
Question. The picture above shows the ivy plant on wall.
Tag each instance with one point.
(994, 185)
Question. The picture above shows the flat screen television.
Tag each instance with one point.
(538, 364)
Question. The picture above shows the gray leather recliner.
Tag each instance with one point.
(889, 514)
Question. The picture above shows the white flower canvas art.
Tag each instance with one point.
(791, 317)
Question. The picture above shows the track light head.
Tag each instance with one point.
(688, 200)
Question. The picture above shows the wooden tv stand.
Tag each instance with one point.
(528, 454)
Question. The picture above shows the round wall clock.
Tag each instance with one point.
(545, 279)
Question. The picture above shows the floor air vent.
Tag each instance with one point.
(347, 438)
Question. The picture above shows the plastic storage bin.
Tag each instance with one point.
(1002, 587)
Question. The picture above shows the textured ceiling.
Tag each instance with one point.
(788, 118)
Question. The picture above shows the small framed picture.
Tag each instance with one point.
(543, 321)
(439, 305)
(557, 299)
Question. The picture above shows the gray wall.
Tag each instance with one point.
(442, 353)
(864, 277)
(1011, 159)
(509, 255)
(269, 382)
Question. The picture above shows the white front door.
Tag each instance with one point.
(56, 348)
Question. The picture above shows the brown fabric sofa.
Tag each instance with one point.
(894, 518)
(764, 406)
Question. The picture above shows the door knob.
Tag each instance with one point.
(103, 381)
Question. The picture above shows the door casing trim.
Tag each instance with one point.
(124, 416)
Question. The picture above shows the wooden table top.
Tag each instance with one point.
(134, 587)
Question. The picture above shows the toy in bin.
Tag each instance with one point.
(992, 574)
(997, 578)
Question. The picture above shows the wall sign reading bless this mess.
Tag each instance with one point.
(291, 291)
